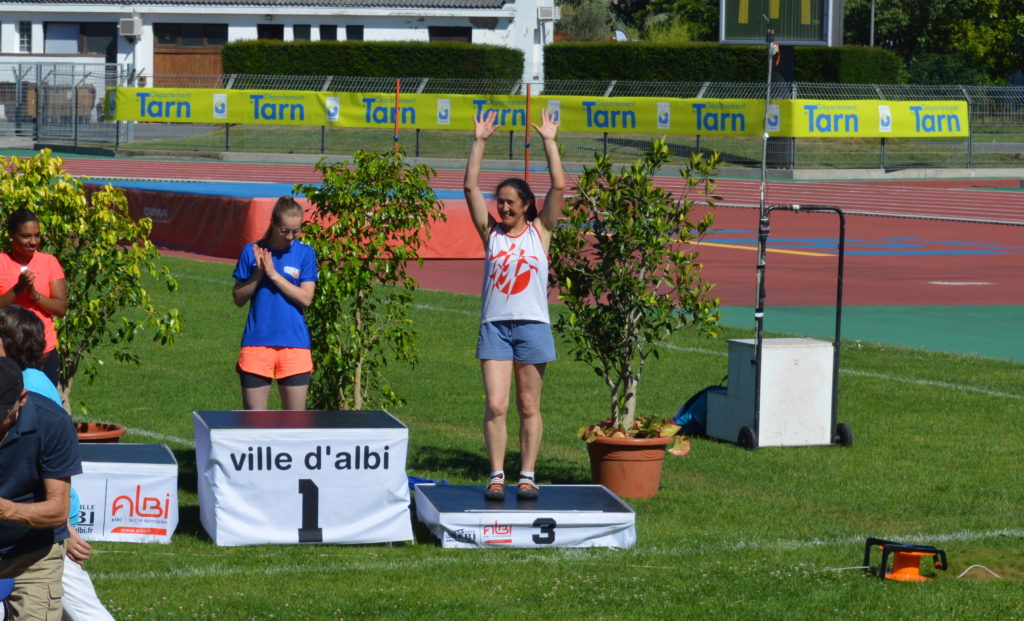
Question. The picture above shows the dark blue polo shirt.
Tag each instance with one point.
(42, 444)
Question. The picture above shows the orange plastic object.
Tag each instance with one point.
(906, 567)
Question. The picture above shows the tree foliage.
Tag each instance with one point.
(627, 270)
(587, 20)
(978, 39)
(106, 256)
(657, 20)
(368, 225)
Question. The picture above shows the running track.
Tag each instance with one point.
(930, 254)
(974, 200)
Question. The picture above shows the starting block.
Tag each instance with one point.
(565, 516)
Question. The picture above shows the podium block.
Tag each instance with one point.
(128, 492)
(291, 477)
(564, 516)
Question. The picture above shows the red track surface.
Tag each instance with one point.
(940, 260)
(958, 199)
(888, 261)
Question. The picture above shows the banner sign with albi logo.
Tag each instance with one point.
(796, 118)
(127, 492)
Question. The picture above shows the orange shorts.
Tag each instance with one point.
(275, 362)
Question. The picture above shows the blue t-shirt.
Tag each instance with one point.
(42, 444)
(274, 320)
(37, 381)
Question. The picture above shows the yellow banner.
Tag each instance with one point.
(875, 119)
(796, 118)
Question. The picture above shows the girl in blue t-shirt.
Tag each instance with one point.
(277, 276)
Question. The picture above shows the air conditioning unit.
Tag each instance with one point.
(549, 13)
(130, 27)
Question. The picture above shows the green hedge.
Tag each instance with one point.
(700, 62)
(372, 59)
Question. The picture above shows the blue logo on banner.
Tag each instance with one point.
(163, 109)
(830, 122)
(934, 123)
(710, 121)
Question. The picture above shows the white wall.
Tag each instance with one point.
(515, 25)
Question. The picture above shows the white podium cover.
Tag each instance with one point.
(302, 477)
(128, 492)
(565, 516)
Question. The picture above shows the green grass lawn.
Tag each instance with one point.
(733, 534)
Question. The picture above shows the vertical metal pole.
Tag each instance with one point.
(74, 110)
(762, 238)
(882, 154)
(839, 315)
(227, 137)
(398, 95)
(762, 243)
(323, 139)
(39, 102)
(526, 143)
(417, 142)
(871, 36)
(604, 141)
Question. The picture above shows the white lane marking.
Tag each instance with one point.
(446, 310)
(953, 283)
(962, 535)
(156, 435)
(881, 376)
(580, 556)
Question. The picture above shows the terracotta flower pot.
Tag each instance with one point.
(630, 467)
(99, 432)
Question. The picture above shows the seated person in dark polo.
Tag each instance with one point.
(38, 455)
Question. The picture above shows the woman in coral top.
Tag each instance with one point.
(34, 280)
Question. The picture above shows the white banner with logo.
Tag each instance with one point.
(120, 501)
(526, 528)
(303, 485)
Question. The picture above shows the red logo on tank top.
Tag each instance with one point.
(512, 269)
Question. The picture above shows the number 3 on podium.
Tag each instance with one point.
(310, 532)
(547, 531)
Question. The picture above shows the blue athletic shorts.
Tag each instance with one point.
(526, 342)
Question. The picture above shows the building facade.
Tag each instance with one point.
(184, 37)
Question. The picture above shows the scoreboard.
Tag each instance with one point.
(796, 22)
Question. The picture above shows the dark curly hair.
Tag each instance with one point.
(22, 335)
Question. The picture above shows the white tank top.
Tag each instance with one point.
(515, 277)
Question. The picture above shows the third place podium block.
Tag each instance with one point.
(302, 477)
(566, 516)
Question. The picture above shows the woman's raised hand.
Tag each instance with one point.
(548, 128)
(486, 124)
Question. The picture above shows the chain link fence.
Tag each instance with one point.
(56, 102)
(61, 104)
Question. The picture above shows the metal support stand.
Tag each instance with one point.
(839, 433)
(773, 50)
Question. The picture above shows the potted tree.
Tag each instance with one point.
(626, 268)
